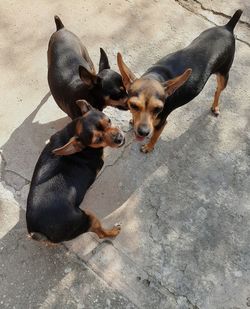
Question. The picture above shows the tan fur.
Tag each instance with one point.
(147, 100)
(221, 84)
(127, 75)
(97, 228)
(173, 84)
(150, 146)
(71, 147)
(146, 96)
(107, 136)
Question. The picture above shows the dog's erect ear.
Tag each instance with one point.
(128, 77)
(84, 106)
(104, 62)
(73, 146)
(172, 85)
(88, 78)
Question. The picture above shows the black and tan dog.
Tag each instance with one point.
(178, 78)
(65, 170)
(72, 76)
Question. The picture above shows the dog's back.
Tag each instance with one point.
(58, 186)
(212, 52)
(65, 54)
(65, 50)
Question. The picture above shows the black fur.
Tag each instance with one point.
(66, 55)
(211, 52)
(59, 24)
(57, 188)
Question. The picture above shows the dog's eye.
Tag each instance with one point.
(134, 107)
(99, 140)
(109, 121)
(157, 110)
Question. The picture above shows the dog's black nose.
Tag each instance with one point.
(143, 130)
(119, 139)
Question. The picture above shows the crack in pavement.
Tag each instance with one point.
(148, 281)
(3, 165)
(176, 296)
(27, 181)
(80, 260)
(221, 14)
(193, 11)
(159, 286)
(3, 172)
(116, 160)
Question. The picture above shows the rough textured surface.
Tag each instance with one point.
(35, 276)
(184, 208)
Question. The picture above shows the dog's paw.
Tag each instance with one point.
(215, 111)
(146, 148)
(116, 229)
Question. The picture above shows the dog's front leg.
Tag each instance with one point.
(156, 133)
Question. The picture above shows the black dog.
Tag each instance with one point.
(154, 96)
(65, 170)
(71, 75)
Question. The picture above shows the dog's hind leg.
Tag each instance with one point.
(221, 85)
(97, 228)
(42, 238)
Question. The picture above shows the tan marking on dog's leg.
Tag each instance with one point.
(97, 228)
(150, 146)
(221, 85)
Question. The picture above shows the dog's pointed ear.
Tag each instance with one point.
(88, 78)
(84, 106)
(73, 146)
(172, 85)
(128, 77)
(104, 62)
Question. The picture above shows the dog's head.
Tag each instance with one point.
(146, 97)
(93, 129)
(108, 82)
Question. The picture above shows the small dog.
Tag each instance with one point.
(65, 170)
(164, 87)
(72, 76)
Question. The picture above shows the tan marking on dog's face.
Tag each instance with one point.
(146, 101)
(107, 135)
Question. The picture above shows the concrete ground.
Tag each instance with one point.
(184, 208)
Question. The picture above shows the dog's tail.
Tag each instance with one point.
(59, 24)
(233, 21)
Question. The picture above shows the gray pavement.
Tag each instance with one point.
(35, 276)
(184, 208)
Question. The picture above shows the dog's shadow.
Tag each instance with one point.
(24, 146)
(118, 181)
(124, 170)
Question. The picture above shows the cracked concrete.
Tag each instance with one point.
(34, 276)
(212, 11)
(184, 208)
(12, 178)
